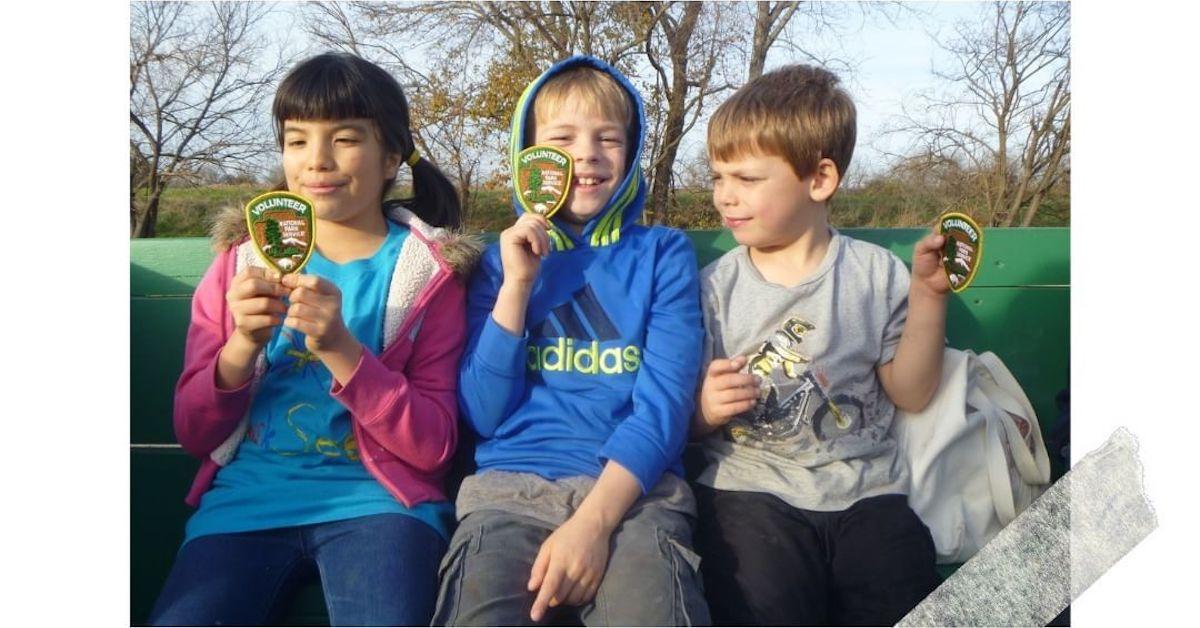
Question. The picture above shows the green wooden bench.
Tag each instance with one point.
(1018, 307)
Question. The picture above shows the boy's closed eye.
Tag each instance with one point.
(741, 178)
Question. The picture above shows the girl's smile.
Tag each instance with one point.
(322, 188)
(341, 165)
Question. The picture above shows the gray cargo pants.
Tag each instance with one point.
(652, 573)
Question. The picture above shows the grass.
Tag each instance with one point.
(189, 211)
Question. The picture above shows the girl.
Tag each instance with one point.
(323, 403)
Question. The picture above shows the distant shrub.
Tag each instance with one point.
(190, 211)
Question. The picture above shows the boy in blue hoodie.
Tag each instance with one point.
(578, 377)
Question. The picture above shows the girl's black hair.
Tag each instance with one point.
(336, 86)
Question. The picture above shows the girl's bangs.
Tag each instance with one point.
(324, 93)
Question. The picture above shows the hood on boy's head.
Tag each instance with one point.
(625, 206)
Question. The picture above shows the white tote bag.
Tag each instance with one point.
(975, 454)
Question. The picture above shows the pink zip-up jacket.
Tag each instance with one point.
(402, 403)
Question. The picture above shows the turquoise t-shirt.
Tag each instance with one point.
(299, 463)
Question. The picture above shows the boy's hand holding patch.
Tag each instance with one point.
(522, 247)
(726, 391)
(927, 273)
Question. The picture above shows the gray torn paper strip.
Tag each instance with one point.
(1050, 554)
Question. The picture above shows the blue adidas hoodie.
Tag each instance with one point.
(608, 364)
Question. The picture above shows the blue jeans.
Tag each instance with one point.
(374, 570)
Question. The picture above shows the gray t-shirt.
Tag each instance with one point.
(820, 436)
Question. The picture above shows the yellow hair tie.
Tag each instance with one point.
(413, 158)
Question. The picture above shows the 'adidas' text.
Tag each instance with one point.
(589, 359)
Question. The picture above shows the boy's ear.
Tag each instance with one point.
(824, 181)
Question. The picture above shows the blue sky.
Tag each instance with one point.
(890, 59)
(896, 62)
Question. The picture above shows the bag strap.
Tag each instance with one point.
(985, 397)
(997, 464)
(1001, 387)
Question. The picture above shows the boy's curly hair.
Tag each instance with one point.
(798, 112)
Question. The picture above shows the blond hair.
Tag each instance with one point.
(798, 112)
(597, 94)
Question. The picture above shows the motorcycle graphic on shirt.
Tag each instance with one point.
(794, 404)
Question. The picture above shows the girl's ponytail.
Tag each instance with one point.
(434, 198)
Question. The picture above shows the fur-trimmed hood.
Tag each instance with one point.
(461, 250)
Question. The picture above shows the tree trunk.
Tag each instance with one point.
(133, 212)
(1032, 210)
(1018, 197)
(759, 48)
(660, 191)
(658, 208)
(465, 196)
(1000, 173)
(148, 222)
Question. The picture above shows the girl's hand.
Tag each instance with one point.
(522, 247)
(928, 278)
(569, 566)
(255, 301)
(316, 311)
(725, 393)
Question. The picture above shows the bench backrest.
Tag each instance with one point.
(1018, 307)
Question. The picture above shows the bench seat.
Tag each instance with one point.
(1018, 307)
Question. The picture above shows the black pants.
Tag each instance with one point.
(766, 563)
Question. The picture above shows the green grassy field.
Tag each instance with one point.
(189, 211)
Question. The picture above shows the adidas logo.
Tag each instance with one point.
(567, 320)
(576, 329)
(565, 357)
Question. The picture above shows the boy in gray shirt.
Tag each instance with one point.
(813, 339)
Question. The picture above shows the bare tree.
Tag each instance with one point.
(712, 57)
(196, 81)
(685, 46)
(806, 31)
(1006, 112)
(694, 171)
(465, 72)
(507, 42)
(468, 63)
(770, 22)
(445, 128)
